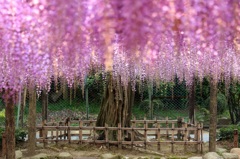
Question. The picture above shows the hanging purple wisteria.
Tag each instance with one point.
(137, 39)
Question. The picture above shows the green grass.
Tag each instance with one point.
(65, 104)
(94, 108)
(58, 106)
(75, 106)
(170, 113)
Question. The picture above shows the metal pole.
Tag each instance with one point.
(19, 107)
(87, 104)
(86, 96)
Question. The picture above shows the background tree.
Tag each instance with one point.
(32, 122)
(234, 102)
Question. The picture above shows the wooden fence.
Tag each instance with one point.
(151, 132)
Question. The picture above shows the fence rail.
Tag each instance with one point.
(144, 132)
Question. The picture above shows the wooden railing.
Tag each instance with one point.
(174, 132)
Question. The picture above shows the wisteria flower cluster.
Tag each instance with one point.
(136, 39)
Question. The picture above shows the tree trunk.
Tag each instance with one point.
(87, 102)
(44, 105)
(213, 116)
(75, 89)
(150, 93)
(116, 105)
(192, 103)
(71, 96)
(64, 89)
(10, 126)
(32, 122)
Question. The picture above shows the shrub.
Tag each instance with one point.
(1, 131)
(221, 103)
(156, 103)
(20, 135)
(2, 113)
(226, 133)
(2, 117)
(203, 115)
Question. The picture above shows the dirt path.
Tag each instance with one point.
(89, 151)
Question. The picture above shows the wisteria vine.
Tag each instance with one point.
(136, 39)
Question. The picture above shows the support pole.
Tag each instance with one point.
(213, 115)
(44, 105)
(192, 103)
(19, 107)
(32, 122)
(87, 104)
(150, 92)
(86, 96)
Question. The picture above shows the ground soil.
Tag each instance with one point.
(227, 144)
(94, 151)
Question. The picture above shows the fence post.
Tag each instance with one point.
(235, 138)
(52, 121)
(57, 133)
(65, 130)
(94, 133)
(69, 131)
(45, 133)
(132, 134)
(179, 125)
(158, 136)
(106, 135)
(3, 145)
(167, 126)
(201, 138)
(185, 137)
(80, 131)
(155, 124)
(145, 133)
(60, 131)
(172, 143)
(196, 135)
(119, 136)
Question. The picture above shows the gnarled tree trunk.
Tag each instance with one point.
(116, 105)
